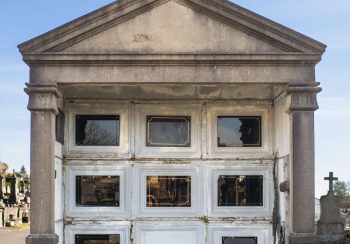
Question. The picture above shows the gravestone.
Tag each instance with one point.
(330, 227)
(10, 214)
(23, 215)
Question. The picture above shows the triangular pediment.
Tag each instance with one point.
(172, 27)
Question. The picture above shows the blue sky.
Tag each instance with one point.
(326, 21)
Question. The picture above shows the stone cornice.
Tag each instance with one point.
(221, 10)
(171, 59)
(42, 97)
(303, 96)
(256, 25)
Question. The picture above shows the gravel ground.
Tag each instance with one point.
(12, 236)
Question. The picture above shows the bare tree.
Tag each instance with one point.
(95, 135)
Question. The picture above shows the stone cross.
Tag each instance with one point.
(331, 179)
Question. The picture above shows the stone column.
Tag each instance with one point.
(43, 107)
(302, 107)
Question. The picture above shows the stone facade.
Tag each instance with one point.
(202, 59)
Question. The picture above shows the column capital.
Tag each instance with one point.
(303, 96)
(42, 96)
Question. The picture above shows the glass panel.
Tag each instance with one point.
(240, 190)
(165, 131)
(59, 128)
(239, 240)
(97, 191)
(97, 130)
(168, 191)
(97, 239)
(239, 131)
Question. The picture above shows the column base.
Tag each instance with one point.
(316, 239)
(330, 229)
(304, 239)
(42, 239)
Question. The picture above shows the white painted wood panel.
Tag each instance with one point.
(192, 110)
(113, 169)
(170, 233)
(120, 109)
(218, 109)
(141, 171)
(114, 228)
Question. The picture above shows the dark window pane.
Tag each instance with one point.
(97, 191)
(97, 130)
(240, 190)
(239, 240)
(97, 239)
(60, 117)
(239, 131)
(168, 191)
(165, 131)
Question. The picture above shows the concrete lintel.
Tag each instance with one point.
(250, 93)
(167, 74)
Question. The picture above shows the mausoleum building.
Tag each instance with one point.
(172, 121)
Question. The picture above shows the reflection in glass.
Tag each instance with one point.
(97, 191)
(239, 131)
(97, 130)
(168, 191)
(239, 240)
(97, 239)
(240, 190)
(163, 131)
(59, 126)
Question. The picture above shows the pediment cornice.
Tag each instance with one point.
(221, 10)
(172, 59)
